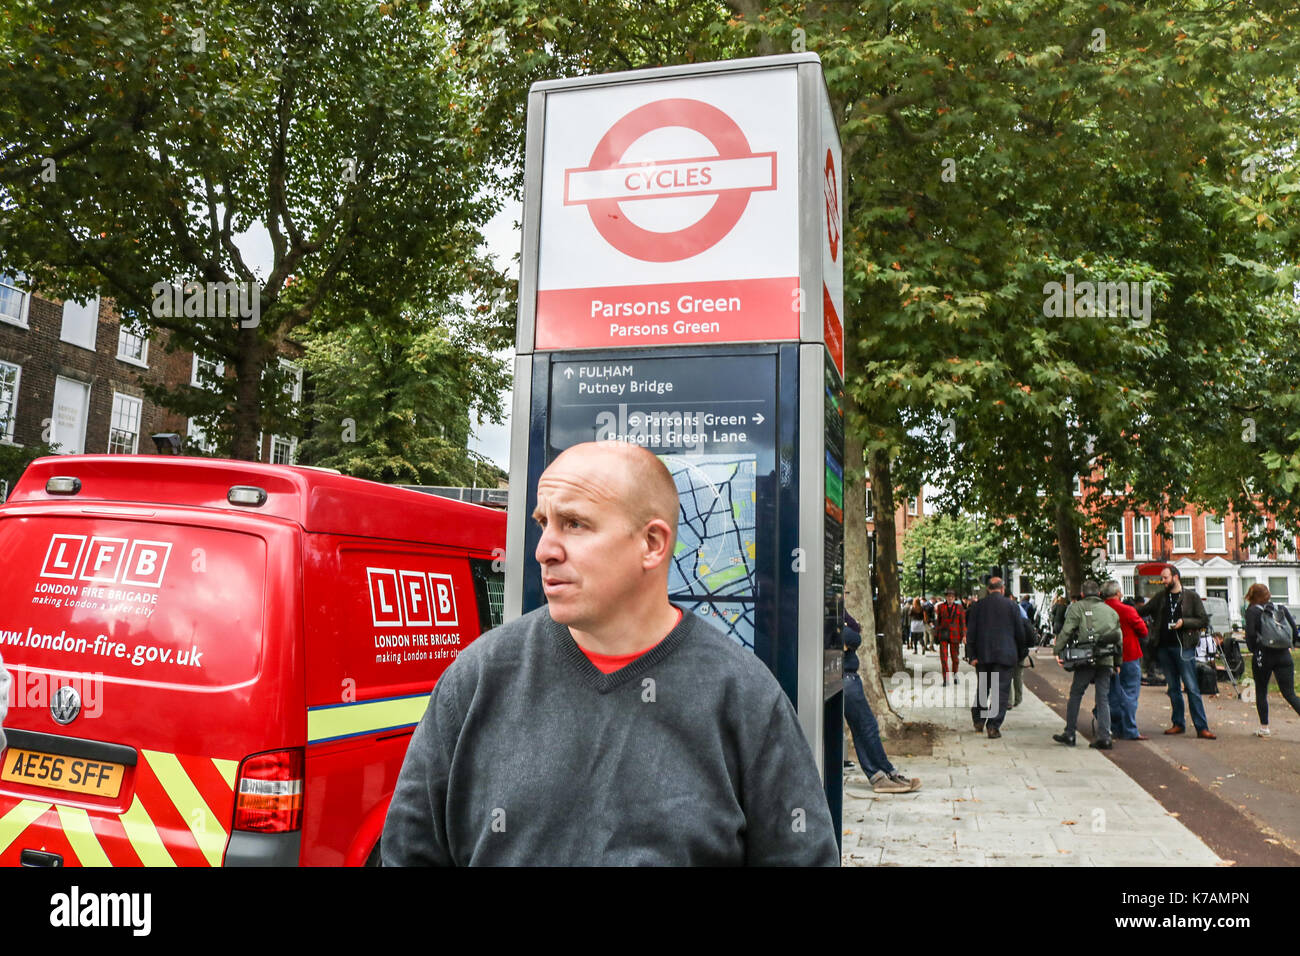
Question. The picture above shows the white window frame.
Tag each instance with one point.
(1286, 544)
(94, 323)
(1115, 541)
(871, 505)
(293, 449)
(194, 369)
(11, 281)
(143, 360)
(1176, 534)
(1274, 592)
(1259, 547)
(112, 423)
(295, 394)
(1141, 530)
(7, 430)
(911, 506)
(1221, 532)
(197, 437)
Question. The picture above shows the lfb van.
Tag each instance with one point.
(219, 662)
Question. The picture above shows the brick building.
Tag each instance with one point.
(72, 376)
(1217, 556)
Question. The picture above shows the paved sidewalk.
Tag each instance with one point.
(1022, 800)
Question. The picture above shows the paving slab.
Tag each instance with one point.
(1021, 800)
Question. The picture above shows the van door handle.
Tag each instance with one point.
(39, 858)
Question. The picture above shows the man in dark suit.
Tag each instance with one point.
(995, 632)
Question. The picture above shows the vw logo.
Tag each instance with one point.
(66, 705)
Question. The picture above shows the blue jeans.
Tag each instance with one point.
(1179, 665)
(1124, 691)
(866, 732)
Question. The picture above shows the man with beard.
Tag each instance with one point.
(1178, 617)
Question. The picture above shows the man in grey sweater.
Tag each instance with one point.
(608, 727)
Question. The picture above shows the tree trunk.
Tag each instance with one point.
(857, 568)
(1067, 524)
(890, 619)
(247, 419)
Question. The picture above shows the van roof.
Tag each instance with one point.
(317, 500)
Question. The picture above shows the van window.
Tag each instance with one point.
(157, 603)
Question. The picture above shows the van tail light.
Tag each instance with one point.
(268, 792)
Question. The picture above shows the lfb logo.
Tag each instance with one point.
(411, 598)
(103, 560)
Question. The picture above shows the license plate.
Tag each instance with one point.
(75, 774)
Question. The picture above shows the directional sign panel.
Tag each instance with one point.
(712, 420)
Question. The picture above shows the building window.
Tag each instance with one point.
(1213, 534)
(1216, 588)
(1279, 590)
(284, 451)
(80, 322)
(1258, 543)
(1285, 544)
(1129, 584)
(1115, 541)
(1182, 533)
(4, 490)
(911, 506)
(9, 376)
(13, 301)
(201, 436)
(68, 421)
(206, 373)
(871, 506)
(1142, 537)
(131, 347)
(124, 429)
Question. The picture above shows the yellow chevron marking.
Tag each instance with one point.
(144, 836)
(76, 827)
(19, 819)
(208, 832)
(227, 770)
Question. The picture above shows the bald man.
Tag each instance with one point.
(609, 727)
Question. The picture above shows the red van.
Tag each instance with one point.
(221, 662)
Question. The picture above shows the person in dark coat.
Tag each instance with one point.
(995, 632)
(884, 777)
(1178, 618)
(1268, 662)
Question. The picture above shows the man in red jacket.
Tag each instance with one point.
(949, 632)
(1125, 688)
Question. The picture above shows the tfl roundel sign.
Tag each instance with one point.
(670, 212)
(731, 175)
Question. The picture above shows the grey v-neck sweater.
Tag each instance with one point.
(529, 755)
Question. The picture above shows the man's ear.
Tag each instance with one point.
(657, 539)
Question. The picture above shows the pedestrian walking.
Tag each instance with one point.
(1090, 623)
(1270, 632)
(950, 632)
(995, 631)
(916, 624)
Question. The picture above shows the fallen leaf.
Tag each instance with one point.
(1274, 842)
(1069, 823)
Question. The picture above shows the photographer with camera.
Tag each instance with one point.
(1089, 647)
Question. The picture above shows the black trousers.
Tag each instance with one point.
(1268, 665)
(992, 693)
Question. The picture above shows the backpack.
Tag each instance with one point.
(1275, 631)
(1089, 644)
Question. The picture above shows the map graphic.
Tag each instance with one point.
(713, 571)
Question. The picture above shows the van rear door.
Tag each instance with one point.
(175, 630)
